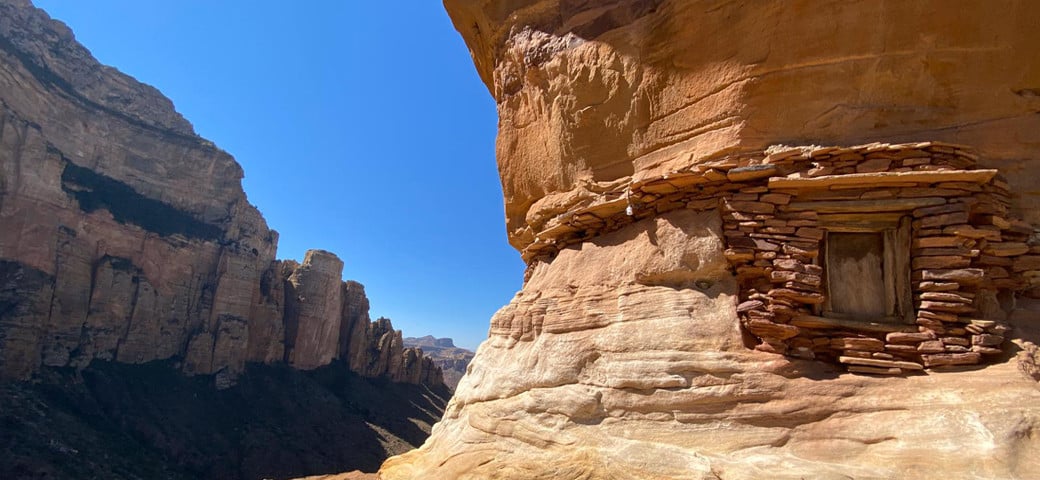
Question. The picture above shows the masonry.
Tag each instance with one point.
(886, 258)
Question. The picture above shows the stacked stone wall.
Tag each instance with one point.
(967, 257)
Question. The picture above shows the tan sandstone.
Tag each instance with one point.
(124, 236)
(623, 355)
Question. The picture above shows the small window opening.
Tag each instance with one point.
(867, 271)
(856, 275)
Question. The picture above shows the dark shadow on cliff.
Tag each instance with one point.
(148, 421)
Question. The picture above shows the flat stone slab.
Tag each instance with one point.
(877, 362)
(885, 178)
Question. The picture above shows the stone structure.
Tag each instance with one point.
(124, 236)
(952, 254)
(777, 209)
(676, 247)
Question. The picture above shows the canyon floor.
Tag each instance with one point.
(149, 421)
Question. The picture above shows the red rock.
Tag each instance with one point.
(945, 359)
(874, 370)
(1006, 249)
(901, 337)
(941, 242)
(749, 305)
(780, 276)
(862, 344)
(799, 296)
(877, 362)
(941, 210)
(873, 165)
(739, 254)
(946, 297)
(901, 348)
(748, 207)
(969, 231)
(934, 221)
(1026, 262)
(941, 262)
(744, 174)
(938, 286)
(931, 346)
(986, 350)
(964, 276)
(776, 198)
(987, 340)
(951, 307)
(808, 232)
(990, 260)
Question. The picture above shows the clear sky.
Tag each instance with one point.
(362, 127)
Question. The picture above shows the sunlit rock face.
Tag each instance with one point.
(623, 355)
(124, 236)
(591, 93)
(452, 360)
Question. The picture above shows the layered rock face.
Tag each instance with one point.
(124, 236)
(452, 360)
(640, 149)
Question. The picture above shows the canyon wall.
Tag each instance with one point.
(680, 174)
(124, 236)
(453, 360)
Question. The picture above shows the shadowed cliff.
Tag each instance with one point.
(146, 328)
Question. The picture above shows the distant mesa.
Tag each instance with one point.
(452, 360)
(429, 341)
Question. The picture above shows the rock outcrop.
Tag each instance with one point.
(646, 183)
(126, 237)
(452, 360)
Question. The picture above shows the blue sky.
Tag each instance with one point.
(362, 127)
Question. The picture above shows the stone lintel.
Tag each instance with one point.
(813, 321)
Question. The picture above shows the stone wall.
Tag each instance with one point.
(969, 258)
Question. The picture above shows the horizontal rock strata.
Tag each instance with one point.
(452, 360)
(124, 236)
(676, 246)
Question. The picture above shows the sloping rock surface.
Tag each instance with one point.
(622, 357)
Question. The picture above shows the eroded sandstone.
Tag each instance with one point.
(452, 360)
(124, 236)
(675, 293)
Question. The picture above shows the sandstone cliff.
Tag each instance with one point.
(675, 318)
(124, 236)
(452, 360)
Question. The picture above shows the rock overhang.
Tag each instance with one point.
(592, 373)
(683, 83)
